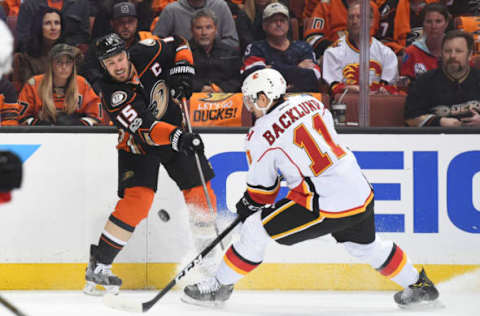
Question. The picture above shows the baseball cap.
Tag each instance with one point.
(124, 9)
(63, 49)
(274, 8)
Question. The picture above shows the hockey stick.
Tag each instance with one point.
(120, 303)
(199, 167)
(10, 307)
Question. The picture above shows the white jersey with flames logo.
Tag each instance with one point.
(297, 143)
(341, 63)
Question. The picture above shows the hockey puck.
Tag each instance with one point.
(164, 216)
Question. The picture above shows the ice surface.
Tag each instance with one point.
(460, 297)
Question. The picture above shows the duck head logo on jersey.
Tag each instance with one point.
(159, 99)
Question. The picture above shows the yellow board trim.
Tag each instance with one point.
(268, 276)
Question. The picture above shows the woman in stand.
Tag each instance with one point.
(32, 59)
(60, 96)
(424, 53)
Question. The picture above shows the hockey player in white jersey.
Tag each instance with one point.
(294, 139)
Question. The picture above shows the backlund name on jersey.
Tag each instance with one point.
(289, 117)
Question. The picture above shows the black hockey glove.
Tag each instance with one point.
(181, 80)
(187, 143)
(246, 206)
(10, 171)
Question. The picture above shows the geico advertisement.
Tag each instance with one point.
(427, 192)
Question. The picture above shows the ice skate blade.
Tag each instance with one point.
(91, 289)
(424, 305)
(211, 304)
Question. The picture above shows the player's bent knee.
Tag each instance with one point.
(374, 253)
(254, 239)
(134, 205)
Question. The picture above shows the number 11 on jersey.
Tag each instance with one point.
(303, 139)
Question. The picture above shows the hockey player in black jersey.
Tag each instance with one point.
(139, 91)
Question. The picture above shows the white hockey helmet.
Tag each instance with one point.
(268, 81)
(6, 49)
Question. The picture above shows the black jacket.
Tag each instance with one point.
(75, 15)
(221, 66)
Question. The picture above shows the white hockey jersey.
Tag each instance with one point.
(296, 142)
(341, 63)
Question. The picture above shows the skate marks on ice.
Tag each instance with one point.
(460, 296)
(243, 303)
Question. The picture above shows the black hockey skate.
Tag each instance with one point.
(207, 293)
(100, 274)
(423, 292)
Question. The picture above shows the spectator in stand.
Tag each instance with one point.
(462, 7)
(11, 7)
(341, 61)
(424, 53)
(46, 31)
(254, 10)
(104, 14)
(8, 103)
(217, 65)
(125, 24)
(401, 24)
(75, 17)
(328, 22)
(175, 20)
(449, 95)
(242, 24)
(3, 15)
(159, 5)
(294, 60)
(60, 96)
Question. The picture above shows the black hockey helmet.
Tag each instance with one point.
(109, 45)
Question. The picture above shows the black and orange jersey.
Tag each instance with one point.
(142, 108)
(88, 107)
(8, 103)
(328, 22)
(400, 24)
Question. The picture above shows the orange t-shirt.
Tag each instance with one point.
(56, 4)
(30, 104)
(12, 6)
(159, 5)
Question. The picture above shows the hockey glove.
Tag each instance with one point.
(10, 171)
(187, 143)
(181, 80)
(246, 206)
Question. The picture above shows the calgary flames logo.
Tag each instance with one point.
(350, 72)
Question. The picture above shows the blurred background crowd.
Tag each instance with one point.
(424, 54)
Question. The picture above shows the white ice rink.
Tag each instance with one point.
(459, 297)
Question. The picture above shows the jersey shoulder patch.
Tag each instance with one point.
(117, 98)
(147, 42)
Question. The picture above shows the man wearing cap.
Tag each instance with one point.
(124, 23)
(175, 20)
(294, 60)
(75, 17)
